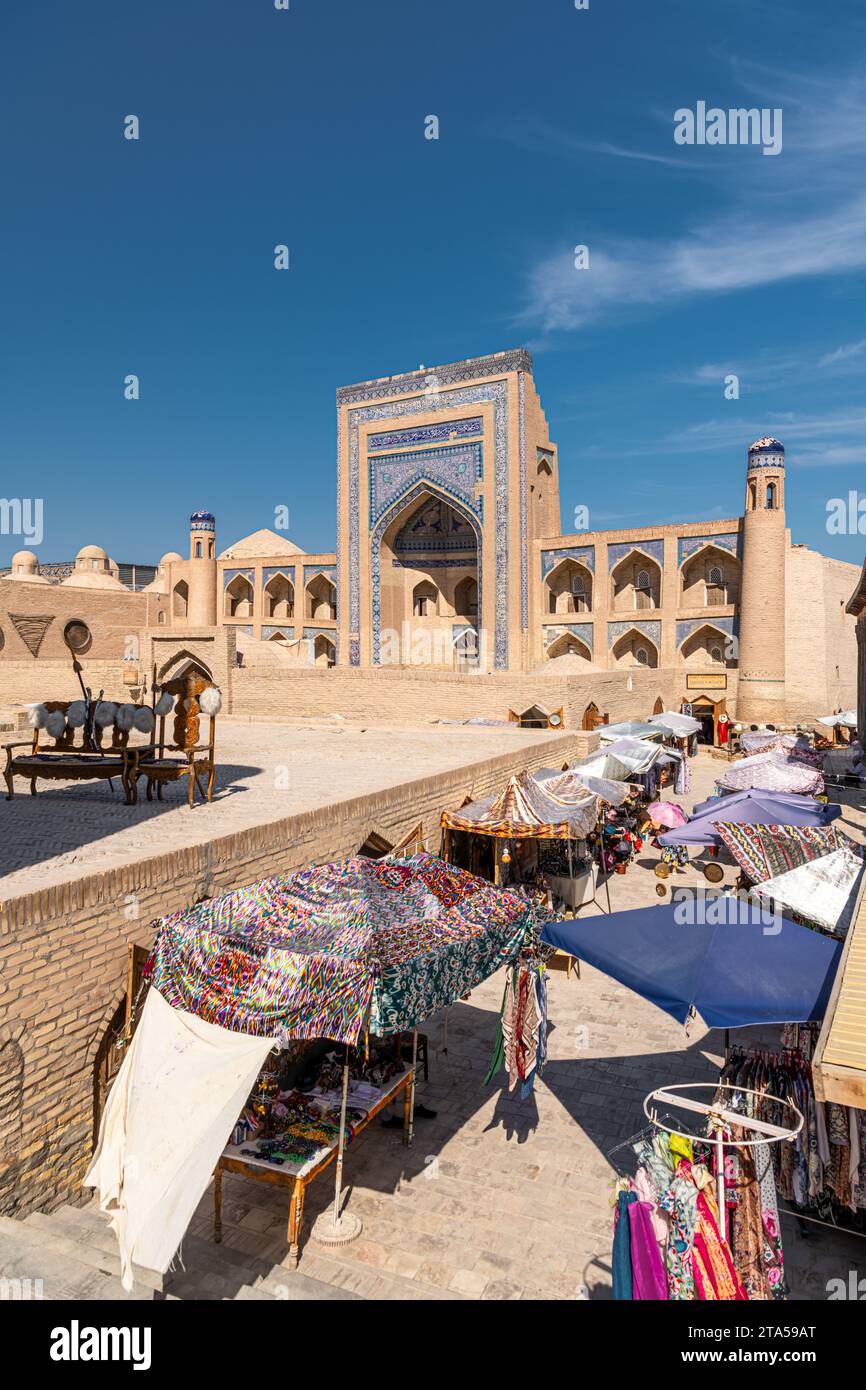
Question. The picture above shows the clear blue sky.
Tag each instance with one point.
(307, 127)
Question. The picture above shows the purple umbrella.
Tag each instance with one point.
(752, 808)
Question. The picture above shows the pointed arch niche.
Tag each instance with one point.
(425, 571)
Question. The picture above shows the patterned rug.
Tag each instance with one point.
(763, 851)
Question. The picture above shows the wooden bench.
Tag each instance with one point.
(68, 757)
(162, 761)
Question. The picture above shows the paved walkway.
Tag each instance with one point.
(501, 1198)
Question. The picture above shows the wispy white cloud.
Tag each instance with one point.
(798, 221)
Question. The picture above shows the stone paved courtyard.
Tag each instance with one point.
(501, 1198)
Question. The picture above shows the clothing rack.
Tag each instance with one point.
(718, 1115)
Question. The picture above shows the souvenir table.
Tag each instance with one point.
(296, 1177)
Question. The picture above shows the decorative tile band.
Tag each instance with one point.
(652, 630)
(687, 546)
(426, 434)
(287, 572)
(585, 555)
(690, 625)
(329, 571)
(583, 631)
(654, 549)
(459, 466)
(283, 631)
(453, 562)
(229, 575)
(452, 374)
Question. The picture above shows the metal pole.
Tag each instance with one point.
(720, 1189)
(411, 1130)
(342, 1141)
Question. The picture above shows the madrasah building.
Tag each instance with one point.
(451, 571)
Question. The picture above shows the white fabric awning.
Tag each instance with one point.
(824, 890)
(682, 725)
(171, 1109)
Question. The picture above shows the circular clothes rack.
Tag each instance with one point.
(719, 1115)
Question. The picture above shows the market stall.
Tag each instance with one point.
(336, 952)
(772, 771)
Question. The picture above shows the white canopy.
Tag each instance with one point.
(171, 1110)
(847, 720)
(824, 890)
(682, 725)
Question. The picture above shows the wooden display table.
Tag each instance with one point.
(298, 1179)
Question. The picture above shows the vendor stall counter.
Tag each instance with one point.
(237, 1158)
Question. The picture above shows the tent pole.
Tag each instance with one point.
(342, 1141)
(410, 1127)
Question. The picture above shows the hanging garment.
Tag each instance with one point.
(623, 1288)
(724, 728)
(649, 1281)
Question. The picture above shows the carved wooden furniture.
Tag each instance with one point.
(64, 759)
(162, 761)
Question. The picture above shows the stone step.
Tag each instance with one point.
(96, 1247)
(203, 1270)
(344, 1276)
(31, 1252)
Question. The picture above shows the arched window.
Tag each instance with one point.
(716, 655)
(643, 597)
(753, 495)
(424, 599)
(715, 586)
(198, 550)
(771, 497)
(641, 656)
(466, 598)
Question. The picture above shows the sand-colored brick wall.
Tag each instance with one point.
(820, 640)
(387, 696)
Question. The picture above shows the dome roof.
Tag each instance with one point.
(769, 445)
(261, 545)
(92, 552)
(25, 565)
(169, 558)
(202, 518)
(91, 579)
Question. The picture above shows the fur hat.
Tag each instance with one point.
(55, 724)
(76, 714)
(210, 701)
(105, 714)
(36, 716)
(143, 719)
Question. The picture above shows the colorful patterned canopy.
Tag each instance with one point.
(764, 851)
(526, 809)
(307, 955)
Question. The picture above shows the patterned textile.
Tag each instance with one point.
(527, 809)
(311, 954)
(763, 851)
(772, 772)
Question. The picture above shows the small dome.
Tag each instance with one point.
(202, 519)
(91, 552)
(25, 565)
(765, 448)
(170, 557)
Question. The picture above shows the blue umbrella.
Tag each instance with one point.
(733, 972)
(734, 798)
(749, 808)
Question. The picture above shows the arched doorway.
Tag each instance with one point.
(659, 706)
(279, 597)
(569, 645)
(634, 648)
(437, 536)
(239, 598)
(321, 598)
(636, 583)
(324, 651)
(180, 599)
(568, 588)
